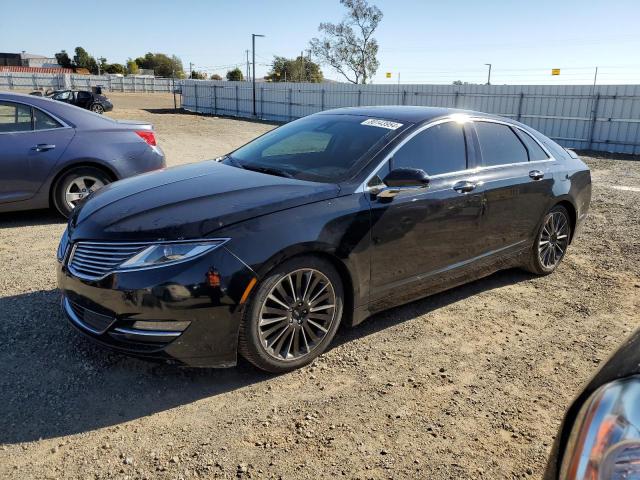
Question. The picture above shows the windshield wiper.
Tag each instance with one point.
(269, 170)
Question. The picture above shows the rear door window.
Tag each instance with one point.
(42, 121)
(438, 149)
(499, 144)
(535, 151)
(14, 117)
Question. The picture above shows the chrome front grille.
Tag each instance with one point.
(97, 259)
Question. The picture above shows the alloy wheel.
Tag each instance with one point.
(97, 108)
(79, 188)
(554, 239)
(297, 314)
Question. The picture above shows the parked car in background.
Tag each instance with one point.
(600, 435)
(325, 220)
(96, 102)
(54, 154)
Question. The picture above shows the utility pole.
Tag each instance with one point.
(302, 72)
(248, 68)
(173, 87)
(595, 77)
(489, 77)
(253, 50)
(190, 69)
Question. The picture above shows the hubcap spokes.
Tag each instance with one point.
(554, 239)
(297, 314)
(79, 188)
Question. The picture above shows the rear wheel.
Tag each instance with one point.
(551, 242)
(293, 315)
(97, 108)
(75, 185)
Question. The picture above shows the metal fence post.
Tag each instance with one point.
(593, 121)
(237, 105)
(195, 94)
(520, 106)
(261, 102)
(10, 80)
(289, 109)
(122, 84)
(215, 99)
(455, 99)
(404, 97)
(359, 97)
(322, 100)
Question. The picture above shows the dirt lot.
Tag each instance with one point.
(471, 383)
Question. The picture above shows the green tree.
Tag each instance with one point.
(235, 75)
(132, 67)
(198, 75)
(300, 69)
(116, 68)
(63, 59)
(162, 64)
(82, 59)
(349, 46)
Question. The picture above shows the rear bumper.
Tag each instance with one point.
(198, 323)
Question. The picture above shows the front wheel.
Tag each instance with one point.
(97, 108)
(75, 185)
(551, 242)
(293, 315)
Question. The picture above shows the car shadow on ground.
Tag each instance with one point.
(56, 383)
(30, 218)
(181, 110)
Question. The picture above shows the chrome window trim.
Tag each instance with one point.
(62, 123)
(474, 171)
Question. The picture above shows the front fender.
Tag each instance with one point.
(339, 227)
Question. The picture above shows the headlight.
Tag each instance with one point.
(605, 440)
(63, 245)
(161, 254)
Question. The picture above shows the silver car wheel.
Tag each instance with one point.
(297, 314)
(553, 240)
(79, 188)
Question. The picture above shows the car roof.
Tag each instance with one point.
(406, 113)
(70, 114)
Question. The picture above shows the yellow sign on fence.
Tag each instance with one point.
(555, 71)
(388, 74)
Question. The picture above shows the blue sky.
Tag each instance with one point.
(425, 41)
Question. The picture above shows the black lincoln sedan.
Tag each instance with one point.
(321, 222)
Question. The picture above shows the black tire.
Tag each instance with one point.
(97, 108)
(62, 184)
(536, 262)
(250, 343)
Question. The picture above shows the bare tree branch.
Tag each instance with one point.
(349, 46)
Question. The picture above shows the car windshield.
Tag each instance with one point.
(320, 148)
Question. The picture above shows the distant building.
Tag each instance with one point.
(10, 60)
(30, 63)
(39, 61)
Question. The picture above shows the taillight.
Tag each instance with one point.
(148, 137)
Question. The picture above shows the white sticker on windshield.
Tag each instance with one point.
(374, 122)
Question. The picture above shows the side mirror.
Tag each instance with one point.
(402, 180)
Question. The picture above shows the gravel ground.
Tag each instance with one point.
(470, 383)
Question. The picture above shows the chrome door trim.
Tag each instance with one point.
(363, 188)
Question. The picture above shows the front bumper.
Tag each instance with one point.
(109, 310)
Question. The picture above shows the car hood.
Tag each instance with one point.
(191, 201)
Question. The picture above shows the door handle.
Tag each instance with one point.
(536, 174)
(465, 186)
(43, 147)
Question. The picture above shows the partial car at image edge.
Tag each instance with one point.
(55, 155)
(321, 222)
